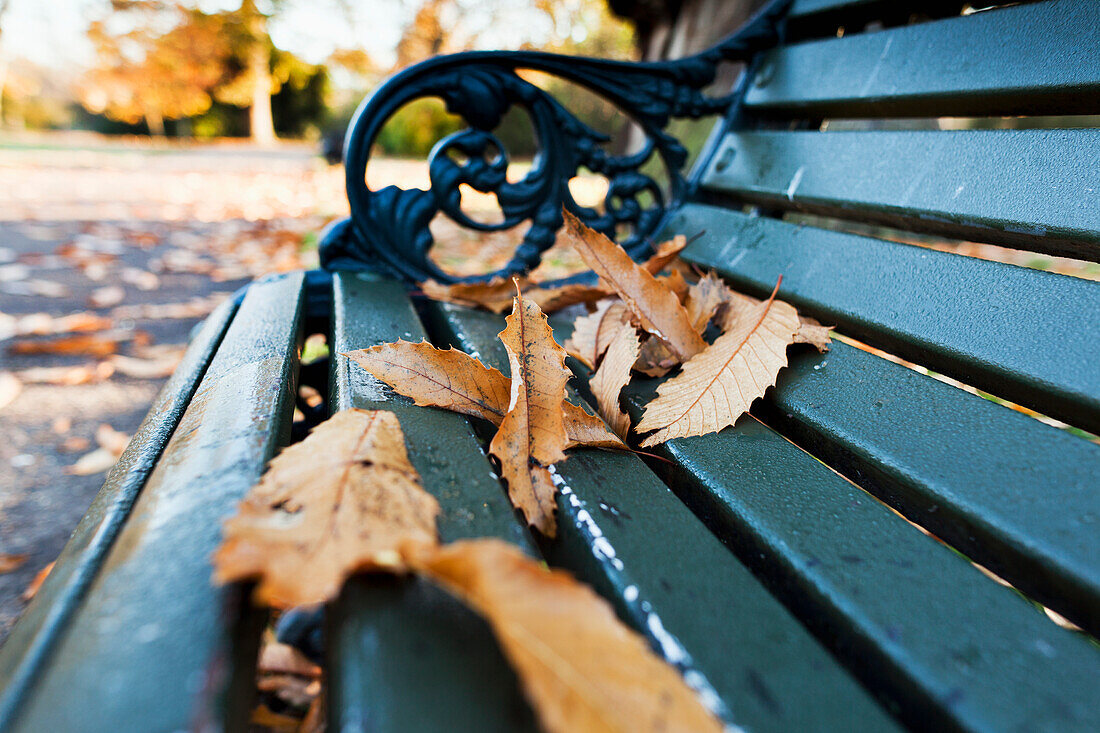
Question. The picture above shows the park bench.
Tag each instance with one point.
(871, 549)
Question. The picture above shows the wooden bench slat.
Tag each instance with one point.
(623, 531)
(44, 621)
(910, 617)
(405, 655)
(1024, 335)
(1033, 59)
(154, 645)
(1030, 189)
(1017, 496)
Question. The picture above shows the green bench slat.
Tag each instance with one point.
(404, 655)
(1015, 495)
(1025, 60)
(625, 533)
(154, 645)
(914, 620)
(802, 10)
(28, 646)
(1031, 189)
(1024, 335)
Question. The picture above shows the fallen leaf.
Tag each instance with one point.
(813, 333)
(657, 308)
(554, 299)
(106, 296)
(263, 718)
(456, 381)
(40, 577)
(10, 387)
(704, 298)
(277, 658)
(131, 366)
(580, 667)
(717, 386)
(10, 562)
(340, 501)
(666, 252)
(532, 434)
(655, 358)
(675, 282)
(110, 439)
(612, 375)
(98, 344)
(43, 324)
(68, 376)
(592, 333)
(495, 295)
(438, 378)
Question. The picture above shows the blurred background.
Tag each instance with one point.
(156, 155)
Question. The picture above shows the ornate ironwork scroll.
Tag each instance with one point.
(388, 229)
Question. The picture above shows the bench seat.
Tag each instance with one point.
(871, 548)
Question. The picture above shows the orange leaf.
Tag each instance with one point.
(592, 333)
(533, 431)
(655, 359)
(495, 295)
(666, 252)
(456, 381)
(717, 386)
(656, 306)
(344, 499)
(612, 376)
(704, 298)
(580, 667)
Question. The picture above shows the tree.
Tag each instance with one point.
(146, 73)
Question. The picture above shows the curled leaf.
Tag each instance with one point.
(658, 309)
(718, 385)
(456, 381)
(533, 430)
(666, 252)
(344, 499)
(704, 298)
(612, 376)
(592, 333)
(580, 667)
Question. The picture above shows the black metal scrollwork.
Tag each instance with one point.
(388, 229)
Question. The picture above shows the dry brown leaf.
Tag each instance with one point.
(277, 658)
(10, 562)
(106, 296)
(111, 445)
(342, 500)
(580, 667)
(675, 282)
(554, 299)
(92, 344)
(656, 306)
(810, 331)
(263, 718)
(68, 376)
(438, 378)
(655, 359)
(32, 588)
(704, 298)
(495, 295)
(131, 366)
(10, 387)
(533, 430)
(456, 381)
(612, 376)
(717, 386)
(666, 252)
(592, 333)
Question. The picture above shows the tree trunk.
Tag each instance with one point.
(260, 125)
(154, 120)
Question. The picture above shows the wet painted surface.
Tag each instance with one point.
(1020, 497)
(1030, 189)
(404, 655)
(57, 599)
(624, 532)
(915, 621)
(1033, 59)
(155, 645)
(1027, 336)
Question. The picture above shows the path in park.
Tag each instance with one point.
(136, 242)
